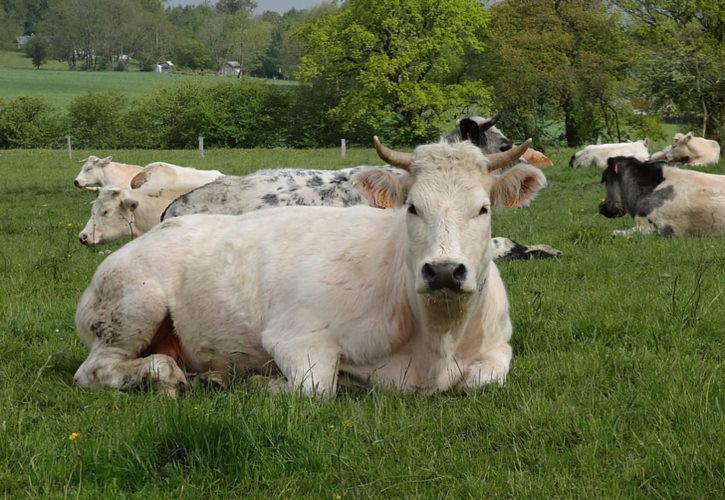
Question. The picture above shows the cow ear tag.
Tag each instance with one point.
(616, 169)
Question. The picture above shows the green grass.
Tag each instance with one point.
(59, 86)
(616, 388)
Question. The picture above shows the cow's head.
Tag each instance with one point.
(681, 150)
(91, 173)
(626, 179)
(112, 216)
(481, 132)
(447, 200)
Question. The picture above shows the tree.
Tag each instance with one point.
(248, 39)
(394, 65)
(37, 49)
(232, 6)
(193, 54)
(553, 62)
(682, 63)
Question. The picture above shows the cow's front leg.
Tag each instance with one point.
(641, 227)
(308, 362)
(491, 366)
(112, 367)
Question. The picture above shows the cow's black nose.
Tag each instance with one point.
(441, 275)
(76, 184)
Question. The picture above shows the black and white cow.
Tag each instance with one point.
(663, 200)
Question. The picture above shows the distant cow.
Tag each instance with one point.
(597, 154)
(481, 132)
(167, 174)
(118, 212)
(690, 150)
(664, 200)
(97, 172)
(406, 297)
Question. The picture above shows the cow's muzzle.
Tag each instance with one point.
(444, 275)
(611, 213)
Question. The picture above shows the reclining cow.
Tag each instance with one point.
(118, 212)
(98, 172)
(687, 149)
(597, 154)
(406, 297)
(663, 200)
(234, 195)
(101, 172)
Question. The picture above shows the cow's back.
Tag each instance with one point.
(271, 188)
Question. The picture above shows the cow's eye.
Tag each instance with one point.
(484, 210)
(412, 210)
(104, 213)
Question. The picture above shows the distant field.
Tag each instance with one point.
(60, 86)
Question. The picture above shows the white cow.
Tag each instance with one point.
(118, 212)
(167, 174)
(690, 150)
(597, 154)
(406, 297)
(96, 172)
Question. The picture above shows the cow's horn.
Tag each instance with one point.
(500, 160)
(394, 158)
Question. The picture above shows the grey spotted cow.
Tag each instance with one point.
(235, 195)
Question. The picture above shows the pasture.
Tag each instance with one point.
(616, 388)
(59, 86)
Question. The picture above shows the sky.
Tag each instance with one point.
(280, 6)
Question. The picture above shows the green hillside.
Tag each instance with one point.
(59, 86)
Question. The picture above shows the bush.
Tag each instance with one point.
(96, 120)
(29, 122)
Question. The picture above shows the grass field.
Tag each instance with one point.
(616, 388)
(59, 86)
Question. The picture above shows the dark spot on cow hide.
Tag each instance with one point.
(97, 328)
(653, 200)
(314, 181)
(340, 178)
(270, 199)
(272, 180)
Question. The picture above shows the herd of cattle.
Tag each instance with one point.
(385, 275)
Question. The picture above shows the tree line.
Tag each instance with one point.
(564, 72)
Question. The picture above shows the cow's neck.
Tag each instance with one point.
(441, 326)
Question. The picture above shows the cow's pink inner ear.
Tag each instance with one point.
(381, 189)
(517, 187)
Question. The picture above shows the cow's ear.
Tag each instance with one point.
(646, 142)
(105, 161)
(129, 202)
(381, 188)
(687, 138)
(139, 179)
(517, 187)
(470, 130)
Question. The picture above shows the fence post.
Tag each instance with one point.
(343, 148)
(201, 146)
(70, 149)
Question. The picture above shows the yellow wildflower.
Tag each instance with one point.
(73, 436)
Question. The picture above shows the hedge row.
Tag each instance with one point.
(234, 114)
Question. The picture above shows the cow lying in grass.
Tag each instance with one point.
(597, 154)
(407, 297)
(687, 149)
(118, 212)
(103, 172)
(663, 200)
(98, 172)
